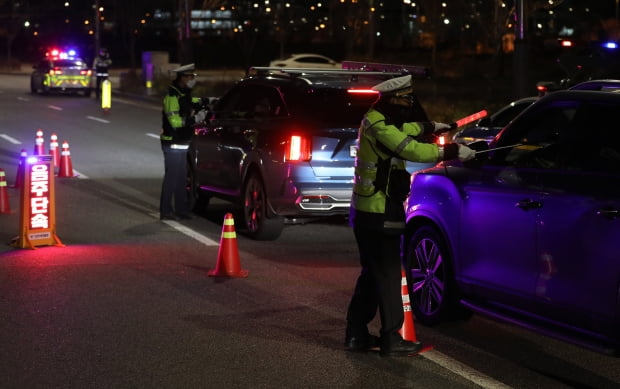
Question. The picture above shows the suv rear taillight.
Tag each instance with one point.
(298, 148)
(363, 91)
(55, 71)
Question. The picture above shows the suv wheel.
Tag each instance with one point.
(254, 208)
(198, 199)
(430, 279)
(34, 88)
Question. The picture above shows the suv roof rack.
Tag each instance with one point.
(348, 68)
(260, 70)
(417, 71)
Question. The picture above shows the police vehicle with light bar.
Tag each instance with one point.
(61, 72)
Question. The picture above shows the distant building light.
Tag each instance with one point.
(566, 31)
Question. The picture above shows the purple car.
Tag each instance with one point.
(529, 231)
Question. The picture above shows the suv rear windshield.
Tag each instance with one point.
(325, 106)
(333, 107)
(339, 108)
(66, 63)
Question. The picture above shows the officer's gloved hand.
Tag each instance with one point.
(465, 153)
(441, 127)
(200, 116)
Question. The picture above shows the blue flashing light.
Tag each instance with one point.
(36, 159)
(610, 45)
(62, 54)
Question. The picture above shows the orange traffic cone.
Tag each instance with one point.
(21, 169)
(228, 254)
(39, 147)
(407, 331)
(5, 207)
(54, 149)
(66, 167)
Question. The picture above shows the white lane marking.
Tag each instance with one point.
(133, 193)
(141, 104)
(10, 139)
(463, 370)
(20, 98)
(188, 231)
(152, 135)
(97, 119)
(54, 107)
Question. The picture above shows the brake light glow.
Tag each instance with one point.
(363, 91)
(55, 71)
(298, 148)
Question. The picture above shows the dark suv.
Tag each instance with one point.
(282, 143)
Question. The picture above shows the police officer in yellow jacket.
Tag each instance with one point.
(180, 113)
(386, 140)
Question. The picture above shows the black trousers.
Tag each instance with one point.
(378, 285)
(98, 83)
(173, 188)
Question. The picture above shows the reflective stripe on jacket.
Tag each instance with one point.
(382, 148)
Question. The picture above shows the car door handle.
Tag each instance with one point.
(527, 204)
(609, 213)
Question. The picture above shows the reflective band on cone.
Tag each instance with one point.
(228, 254)
(54, 149)
(66, 167)
(407, 331)
(39, 143)
(5, 207)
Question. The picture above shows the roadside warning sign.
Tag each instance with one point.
(37, 204)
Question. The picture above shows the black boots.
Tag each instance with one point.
(389, 346)
(361, 343)
(399, 347)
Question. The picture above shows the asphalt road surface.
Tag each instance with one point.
(127, 301)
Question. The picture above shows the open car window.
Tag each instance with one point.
(578, 135)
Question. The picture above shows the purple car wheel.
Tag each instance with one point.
(429, 276)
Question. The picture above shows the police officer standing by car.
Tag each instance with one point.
(180, 113)
(101, 64)
(386, 140)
